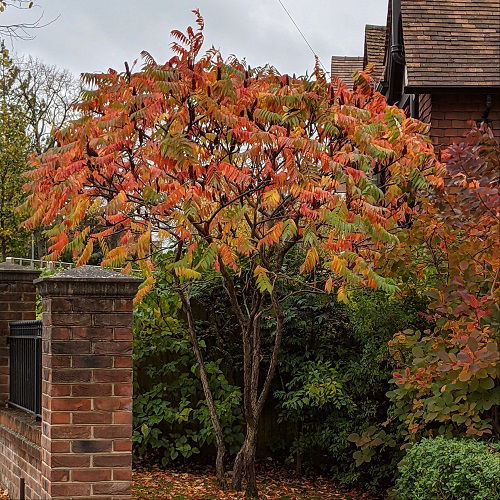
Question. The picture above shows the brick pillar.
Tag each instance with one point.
(17, 302)
(87, 383)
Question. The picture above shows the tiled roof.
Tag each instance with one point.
(344, 68)
(375, 49)
(452, 42)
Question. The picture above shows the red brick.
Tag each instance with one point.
(122, 445)
(113, 431)
(92, 361)
(91, 475)
(123, 334)
(93, 333)
(116, 347)
(58, 418)
(122, 417)
(94, 417)
(92, 390)
(69, 460)
(69, 432)
(123, 362)
(58, 304)
(122, 389)
(114, 460)
(70, 319)
(123, 305)
(111, 488)
(114, 403)
(60, 447)
(66, 490)
(91, 446)
(112, 319)
(70, 347)
(58, 390)
(122, 474)
(69, 404)
(59, 333)
(58, 475)
(52, 361)
(71, 376)
(112, 375)
(85, 304)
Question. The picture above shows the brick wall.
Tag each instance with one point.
(19, 431)
(20, 454)
(452, 112)
(82, 449)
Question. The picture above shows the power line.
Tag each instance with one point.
(301, 34)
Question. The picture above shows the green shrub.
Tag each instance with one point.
(347, 346)
(452, 469)
(171, 420)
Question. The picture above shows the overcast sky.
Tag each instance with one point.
(93, 35)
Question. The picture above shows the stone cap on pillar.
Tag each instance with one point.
(14, 272)
(88, 280)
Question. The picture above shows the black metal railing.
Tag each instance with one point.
(25, 366)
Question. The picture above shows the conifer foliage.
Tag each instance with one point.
(232, 168)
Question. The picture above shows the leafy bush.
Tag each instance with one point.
(345, 346)
(171, 419)
(450, 469)
(446, 376)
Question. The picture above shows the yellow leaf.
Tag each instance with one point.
(342, 295)
(271, 198)
(185, 272)
(87, 252)
(310, 261)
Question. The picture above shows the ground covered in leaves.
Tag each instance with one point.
(200, 484)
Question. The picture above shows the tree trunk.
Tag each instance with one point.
(250, 452)
(239, 468)
(244, 465)
(207, 392)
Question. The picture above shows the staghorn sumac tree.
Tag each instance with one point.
(232, 169)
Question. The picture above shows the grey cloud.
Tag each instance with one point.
(93, 35)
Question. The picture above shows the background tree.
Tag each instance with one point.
(231, 170)
(13, 161)
(21, 30)
(48, 94)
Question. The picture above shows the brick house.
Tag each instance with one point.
(439, 60)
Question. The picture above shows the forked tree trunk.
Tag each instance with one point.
(244, 466)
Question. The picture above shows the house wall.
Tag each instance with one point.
(451, 114)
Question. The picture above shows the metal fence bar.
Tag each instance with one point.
(25, 365)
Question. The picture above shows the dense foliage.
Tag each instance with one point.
(450, 468)
(445, 381)
(13, 161)
(448, 373)
(333, 374)
(171, 420)
(336, 369)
